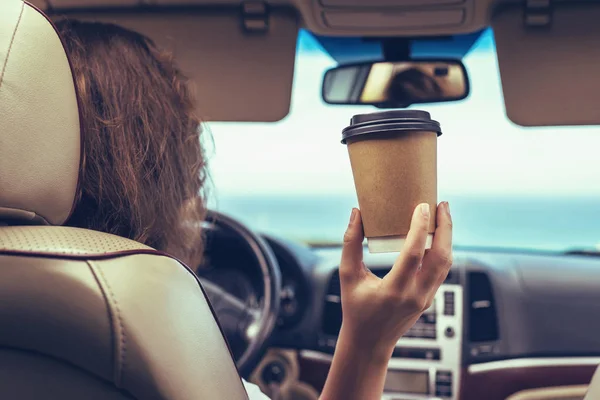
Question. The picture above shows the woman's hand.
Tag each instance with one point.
(377, 312)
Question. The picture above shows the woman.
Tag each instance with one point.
(143, 178)
(413, 85)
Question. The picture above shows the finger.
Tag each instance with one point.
(351, 266)
(412, 252)
(436, 284)
(438, 259)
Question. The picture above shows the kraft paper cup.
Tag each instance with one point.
(393, 155)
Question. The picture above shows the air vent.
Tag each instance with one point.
(334, 288)
(483, 322)
(452, 278)
(332, 311)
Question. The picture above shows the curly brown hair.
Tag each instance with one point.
(144, 168)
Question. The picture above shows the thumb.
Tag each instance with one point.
(351, 266)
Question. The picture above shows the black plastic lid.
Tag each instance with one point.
(389, 121)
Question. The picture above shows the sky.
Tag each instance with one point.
(480, 152)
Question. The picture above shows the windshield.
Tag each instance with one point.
(508, 186)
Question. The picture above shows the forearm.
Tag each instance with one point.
(357, 371)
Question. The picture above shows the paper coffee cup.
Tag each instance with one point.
(393, 155)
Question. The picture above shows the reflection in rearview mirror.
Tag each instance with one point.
(396, 84)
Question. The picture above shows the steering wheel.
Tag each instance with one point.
(241, 322)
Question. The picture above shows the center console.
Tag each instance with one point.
(426, 361)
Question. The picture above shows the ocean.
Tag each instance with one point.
(533, 223)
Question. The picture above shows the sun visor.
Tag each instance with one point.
(549, 63)
(241, 69)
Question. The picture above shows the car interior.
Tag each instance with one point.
(513, 83)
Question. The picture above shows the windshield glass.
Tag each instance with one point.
(508, 186)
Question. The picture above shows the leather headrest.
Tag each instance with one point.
(40, 143)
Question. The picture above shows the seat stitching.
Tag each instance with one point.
(119, 327)
(113, 338)
(12, 40)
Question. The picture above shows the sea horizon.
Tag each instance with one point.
(553, 223)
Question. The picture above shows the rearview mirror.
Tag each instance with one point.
(396, 84)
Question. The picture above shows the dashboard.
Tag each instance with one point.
(501, 323)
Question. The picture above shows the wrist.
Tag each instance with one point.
(369, 351)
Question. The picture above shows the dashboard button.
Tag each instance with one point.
(443, 376)
(485, 349)
(417, 331)
(429, 319)
(443, 391)
(449, 332)
(417, 353)
(432, 354)
(443, 387)
(448, 303)
(429, 333)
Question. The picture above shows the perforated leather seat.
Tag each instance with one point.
(83, 314)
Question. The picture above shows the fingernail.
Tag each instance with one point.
(447, 205)
(425, 210)
(353, 215)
